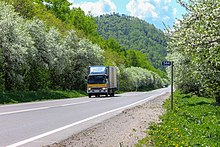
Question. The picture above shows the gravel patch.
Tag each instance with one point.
(125, 129)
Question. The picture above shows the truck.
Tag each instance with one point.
(101, 80)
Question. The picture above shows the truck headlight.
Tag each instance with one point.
(104, 88)
(89, 88)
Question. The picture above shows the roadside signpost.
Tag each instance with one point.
(166, 63)
(170, 63)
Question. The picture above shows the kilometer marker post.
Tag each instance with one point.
(170, 63)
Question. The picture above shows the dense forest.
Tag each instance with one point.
(47, 45)
(134, 33)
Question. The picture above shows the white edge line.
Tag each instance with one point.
(41, 108)
(79, 122)
(39, 102)
(19, 111)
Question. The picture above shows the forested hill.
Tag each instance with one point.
(134, 33)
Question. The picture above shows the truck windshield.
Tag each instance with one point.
(97, 79)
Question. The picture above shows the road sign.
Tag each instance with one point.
(170, 63)
(166, 63)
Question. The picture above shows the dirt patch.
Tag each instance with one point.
(124, 129)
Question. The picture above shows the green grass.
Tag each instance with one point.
(29, 96)
(195, 122)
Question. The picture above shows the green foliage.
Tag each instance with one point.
(30, 9)
(83, 22)
(138, 59)
(134, 33)
(24, 7)
(74, 17)
(195, 40)
(29, 96)
(195, 121)
(59, 7)
(136, 78)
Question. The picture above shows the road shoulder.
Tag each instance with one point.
(124, 129)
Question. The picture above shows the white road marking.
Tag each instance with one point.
(40, 102)
(103, 99)
(79, 122)
(42, 108)
(75, 103)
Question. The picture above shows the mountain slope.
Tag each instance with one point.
(134, 33)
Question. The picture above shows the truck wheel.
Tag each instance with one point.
(89, 95)
(112, 94)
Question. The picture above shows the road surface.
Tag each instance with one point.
(43, 123)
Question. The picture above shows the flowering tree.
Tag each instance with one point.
(136, 78)
(14, 45)
(81, 53)
(196, 40)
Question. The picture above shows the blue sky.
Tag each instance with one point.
(156, 12)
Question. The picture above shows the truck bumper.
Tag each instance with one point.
(100, 91)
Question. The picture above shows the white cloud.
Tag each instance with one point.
(97, 8)
(141, 9)
(174, 12)
(165, 8)
(167, 1)
(157, 2)
(166, 18)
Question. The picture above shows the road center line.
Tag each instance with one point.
(104, 99)
(82, 121)
(42, 108)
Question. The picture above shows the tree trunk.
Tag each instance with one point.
(217, 97)
(8, 82)
(218, 100)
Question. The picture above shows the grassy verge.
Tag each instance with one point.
(29, 96)
(195, 121)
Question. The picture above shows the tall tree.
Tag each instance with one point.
(24, 7)
(61, 8)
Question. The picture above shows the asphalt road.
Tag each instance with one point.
(43, 123)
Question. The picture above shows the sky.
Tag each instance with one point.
(155, 12)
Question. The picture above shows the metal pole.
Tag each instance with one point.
(171, 99)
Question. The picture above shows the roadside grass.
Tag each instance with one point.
(29, 96)
(195, 121)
